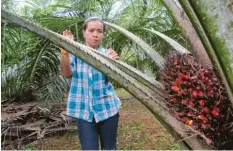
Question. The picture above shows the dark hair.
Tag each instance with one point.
(92, 19)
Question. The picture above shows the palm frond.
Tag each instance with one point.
(52, 89)
(150, 51)
(14, 45)
(12, 88)
(42, 61)
(178, 47)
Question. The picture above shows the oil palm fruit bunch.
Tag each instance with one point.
(198, 98)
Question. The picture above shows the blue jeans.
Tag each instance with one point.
(89, 133)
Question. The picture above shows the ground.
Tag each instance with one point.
(138, 129)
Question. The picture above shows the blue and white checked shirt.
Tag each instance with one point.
(90, 95)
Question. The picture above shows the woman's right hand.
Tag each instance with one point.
(68, 34)
(65, 60)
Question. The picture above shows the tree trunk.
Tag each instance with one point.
(186, 26)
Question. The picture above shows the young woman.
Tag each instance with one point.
(92, 99)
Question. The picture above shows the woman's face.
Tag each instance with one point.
(94, 33)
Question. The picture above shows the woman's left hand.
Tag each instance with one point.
(111, 53)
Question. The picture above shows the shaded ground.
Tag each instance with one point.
(138, 129)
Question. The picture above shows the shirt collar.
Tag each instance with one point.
(100, 48)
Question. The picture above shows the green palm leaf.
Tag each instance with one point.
(13, 88)
(52, 89)
(178, 47)
(150, 51)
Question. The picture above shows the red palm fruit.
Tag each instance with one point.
(178, 82)
(215, 79)
(211, 91)
(210, 82)
(187, 77)
(215, 112)
(185, 119)
(209, 88)
(203, 80)
(208, 73)
(201, 94)
(181, 75)
(180, 93)
(173, 100)
(202, 77)
(203, 118)
(194, 93)
(204, 126)
(175, 88)
(202, 102)
(176, 62)
(191, 103)
(201, 73)
(208, 125)
(190, 123)
(190, 113)
(205, 110)
(184, 101)
(210, 94)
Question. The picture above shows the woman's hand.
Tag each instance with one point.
(68, 34)
(112, 54)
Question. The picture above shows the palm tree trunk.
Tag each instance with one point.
(186, 26)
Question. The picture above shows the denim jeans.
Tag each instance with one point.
(89, 133)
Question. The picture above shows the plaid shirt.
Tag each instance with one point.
(90, 94)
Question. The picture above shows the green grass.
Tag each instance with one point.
(29, 147)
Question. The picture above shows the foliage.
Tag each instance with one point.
(36, 58)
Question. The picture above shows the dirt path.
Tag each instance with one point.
(138, 129)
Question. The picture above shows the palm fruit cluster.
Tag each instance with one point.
(198, 98)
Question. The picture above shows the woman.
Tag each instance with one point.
(92, 99)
